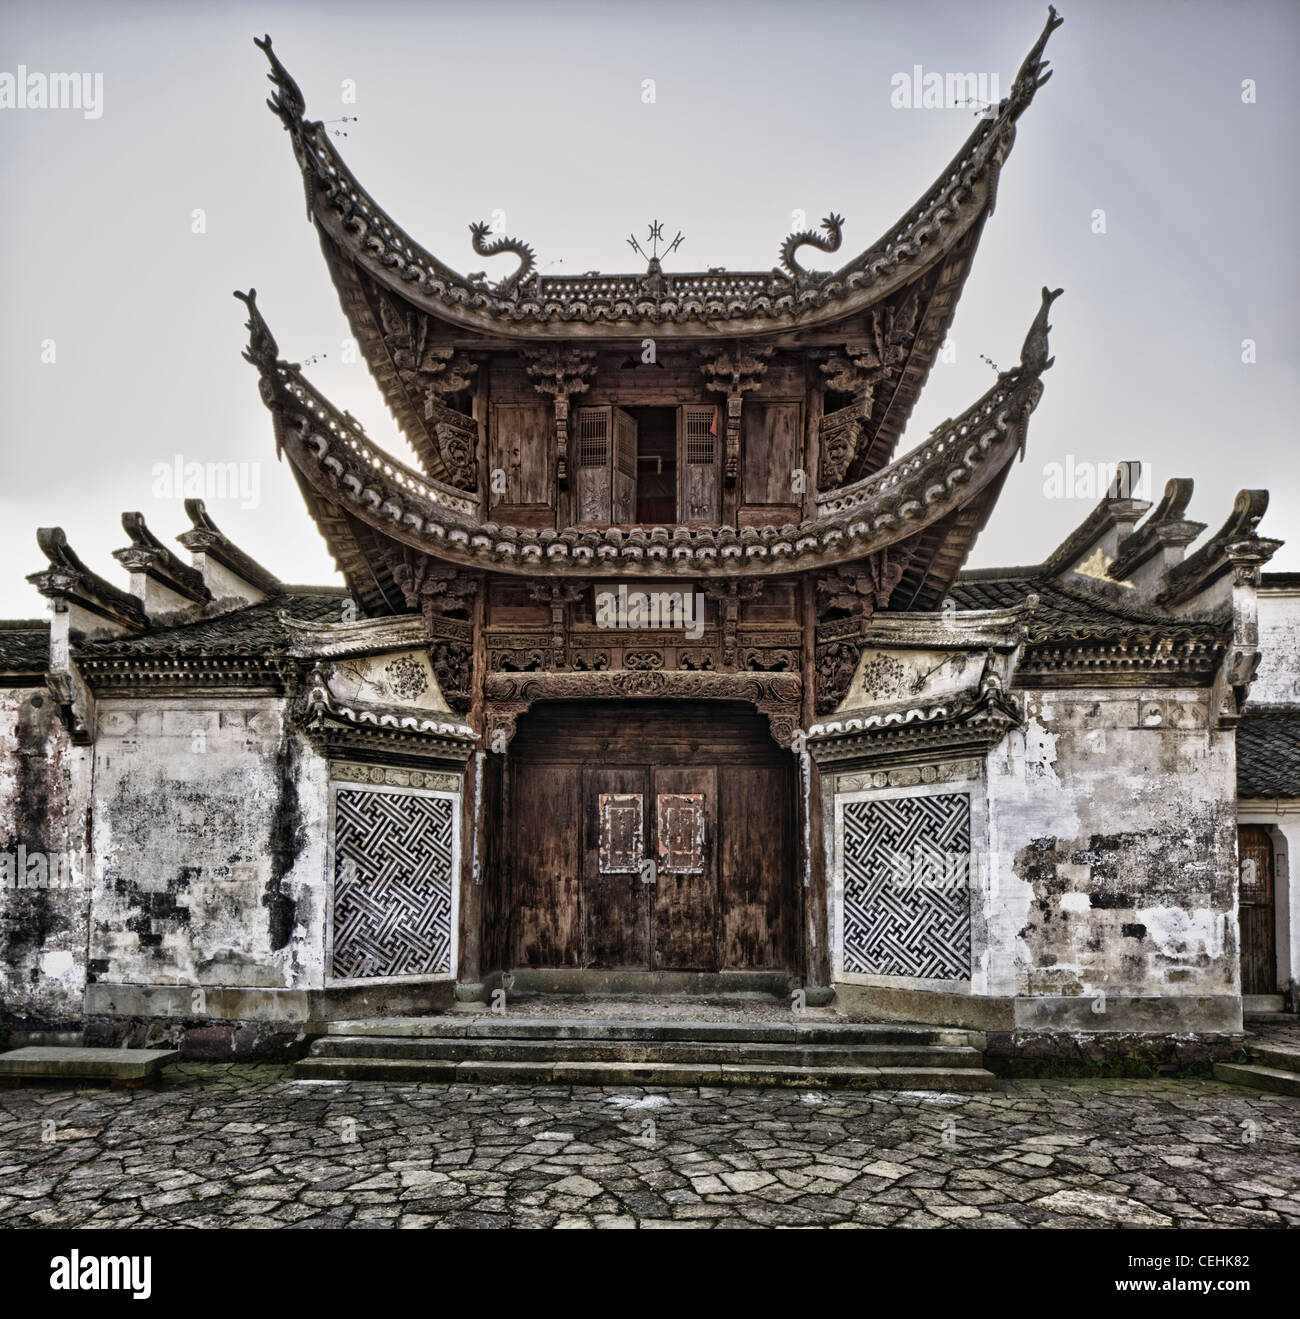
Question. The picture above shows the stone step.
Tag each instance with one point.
(1260, 1078)
(664, 1031)
(642, 1073)
(871, 1054)
(1270, 1018)
(1285, 1057)
(71, 1063)
(1254, 1004)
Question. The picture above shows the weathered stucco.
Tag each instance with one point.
(1277, 681)
(1113, 852)
(44, 899)
(209, 845)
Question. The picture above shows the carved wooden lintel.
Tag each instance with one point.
(776, 695)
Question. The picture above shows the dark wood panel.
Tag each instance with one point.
(770, 452)
(757, 892)
(520, 446)
(546, 914)
(646, 732)
(1255, 910)
(616, 908)
(686, 884)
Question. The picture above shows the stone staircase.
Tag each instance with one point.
(1274, 1056)
(536, 1050)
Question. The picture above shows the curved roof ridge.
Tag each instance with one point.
(963, 193)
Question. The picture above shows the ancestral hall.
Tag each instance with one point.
(659, 673)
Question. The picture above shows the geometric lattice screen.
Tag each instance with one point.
(392, 884)
(907, 887)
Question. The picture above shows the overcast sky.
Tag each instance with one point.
(537, 110)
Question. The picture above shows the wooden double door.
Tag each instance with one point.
(651, 839)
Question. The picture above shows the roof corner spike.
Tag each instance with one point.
(287, 100)
(262, 351)
(1033, 356)
(1033, 73)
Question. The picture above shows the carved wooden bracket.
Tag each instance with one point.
(733, 371)
(561, 372)
(729, 595)
(558, 595)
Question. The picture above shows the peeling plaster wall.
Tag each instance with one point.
(1113, 852)
(1278, 679)
(209, 846)
(44, 896)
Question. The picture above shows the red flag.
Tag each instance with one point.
(713, 430)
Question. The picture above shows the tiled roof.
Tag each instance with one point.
(1064, 612)
(253, 630)
(1268, 753)
(24, 646)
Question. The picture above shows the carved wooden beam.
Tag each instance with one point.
(729, 595)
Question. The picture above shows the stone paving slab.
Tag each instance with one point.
(54, 1062)
(219, 1144)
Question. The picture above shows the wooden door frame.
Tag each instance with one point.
(1278, 916)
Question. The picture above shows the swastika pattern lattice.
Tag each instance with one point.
(906, 889)
(393, 855)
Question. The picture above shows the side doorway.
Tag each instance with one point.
(1255, 910)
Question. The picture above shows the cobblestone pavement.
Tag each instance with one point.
(225, 1145)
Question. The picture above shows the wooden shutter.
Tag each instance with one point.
(699, 450)
(771, 436)
(520, 447)
(592, 469)
(623, 506)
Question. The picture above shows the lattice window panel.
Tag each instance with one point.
(680, 818)
(701, 443)
(907, 887)
(593, 437)
(394, 872)
(621, 823)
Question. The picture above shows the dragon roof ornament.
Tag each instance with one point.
(960, 458)
(350, 218)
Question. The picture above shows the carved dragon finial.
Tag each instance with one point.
(1031, 76)
(811, 238)
(287, 100)
(1033, 356)
(262, 350)
(527, 257)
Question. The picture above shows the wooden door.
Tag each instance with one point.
(1255, 910)
(759, 918)
(545, 911)
(615, 888)
(685, 830)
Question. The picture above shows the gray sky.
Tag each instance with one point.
(536, 110)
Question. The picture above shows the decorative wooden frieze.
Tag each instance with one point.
(561, 372)
(733, 371)
(393, 777)
(911, 776)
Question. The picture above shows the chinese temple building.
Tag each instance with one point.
(660, 673)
